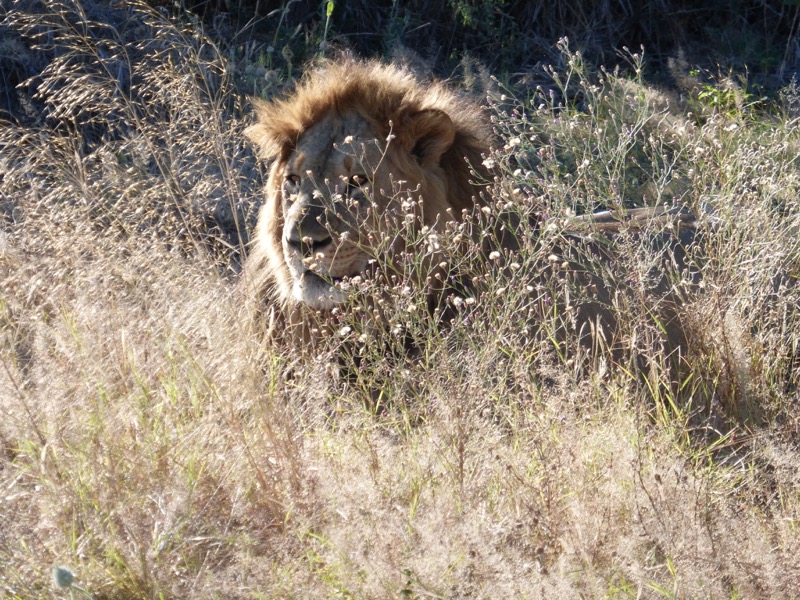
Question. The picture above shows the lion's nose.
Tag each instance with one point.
(307, 230)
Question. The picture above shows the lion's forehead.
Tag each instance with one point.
(335, 146)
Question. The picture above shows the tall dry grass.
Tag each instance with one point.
(155, 448)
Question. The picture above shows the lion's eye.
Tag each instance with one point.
(292, 180)
(357, 181)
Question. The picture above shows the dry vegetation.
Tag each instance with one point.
(150, 443)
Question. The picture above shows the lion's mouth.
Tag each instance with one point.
(315, 276)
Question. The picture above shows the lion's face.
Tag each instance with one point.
(340, 189)
(361, 152)
(327, 200)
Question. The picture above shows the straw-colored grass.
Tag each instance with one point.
(152, 445)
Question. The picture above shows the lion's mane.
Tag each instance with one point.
(388, 97)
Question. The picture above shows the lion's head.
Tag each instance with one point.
(351, 148)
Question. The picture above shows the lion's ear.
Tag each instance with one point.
(431, 132)
(270, 132)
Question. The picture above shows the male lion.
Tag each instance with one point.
(354, 146)
(355, 141)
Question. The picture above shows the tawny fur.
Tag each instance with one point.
(394, 102)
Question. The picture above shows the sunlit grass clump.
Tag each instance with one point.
(156, 447)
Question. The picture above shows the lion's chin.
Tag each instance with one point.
(316, 292)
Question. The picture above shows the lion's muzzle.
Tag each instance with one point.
(306, 230)
(317, 256)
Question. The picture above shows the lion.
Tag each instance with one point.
(354, 146)
(356, 142)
